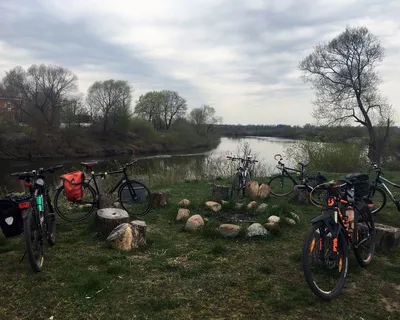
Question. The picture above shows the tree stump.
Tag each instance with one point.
(121, 237)
(138, 233)
(219, 193)
(160, 199)
(109, 218)
(300, 195)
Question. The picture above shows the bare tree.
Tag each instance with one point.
(42, 88)
(173, 106)
(148, 106)
(108, 100)
(204, 117)
(343, 75)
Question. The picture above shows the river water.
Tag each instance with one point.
(178, 166)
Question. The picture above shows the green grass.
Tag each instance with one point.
(182, 275)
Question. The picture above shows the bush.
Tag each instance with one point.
(143, 128)
(329, 157)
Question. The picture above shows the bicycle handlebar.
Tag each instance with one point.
(280, 156)
(34, 173)
(248, 159)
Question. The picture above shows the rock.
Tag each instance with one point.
(294, 216)
(184, 203)
(195, 222)
(262, 207)
(300, 195)
(275, 206)
(214, 206)
(219, 192)
(274, 219)
(256, 229)
(229, 230)
(290, 221)
(252, 189)
(251, 205)
(183, 214)
(160, 199)
(271, 226)
(264, 191)
(239, 205)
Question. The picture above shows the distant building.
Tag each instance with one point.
(10, 105)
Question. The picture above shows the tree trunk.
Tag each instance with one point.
(373, 152)
(138, 233)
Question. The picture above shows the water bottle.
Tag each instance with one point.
(39, 202)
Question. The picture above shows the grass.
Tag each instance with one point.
(182, 275)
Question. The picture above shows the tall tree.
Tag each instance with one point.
(109, 100)
(148, 106)
(42, 88)
(173, 106)
(204, 117)
(343, 75)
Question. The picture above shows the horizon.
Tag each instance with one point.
(240, 58)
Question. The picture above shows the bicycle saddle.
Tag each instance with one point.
(89, 164)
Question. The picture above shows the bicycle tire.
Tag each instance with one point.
(50, 224)
(36, 263)
(380, 191)
(149, 198)
(236, 187)
(283, 177)
(357, 251)
(85, 186)
(324, 295)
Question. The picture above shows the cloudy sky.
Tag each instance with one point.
(239, 56)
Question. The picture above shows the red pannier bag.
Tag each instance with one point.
(73, 185)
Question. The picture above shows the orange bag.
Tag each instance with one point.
(73, 185)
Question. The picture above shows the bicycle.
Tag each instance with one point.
(129, 192)
(345, 221)
(34, 214)
(377, 189)
(242, 176)
(285, 179)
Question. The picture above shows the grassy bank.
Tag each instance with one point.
(140, 138)
(182, 275)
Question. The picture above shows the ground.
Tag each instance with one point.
(182, 275)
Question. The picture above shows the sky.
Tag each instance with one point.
(240, 57)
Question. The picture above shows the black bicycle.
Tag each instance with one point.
(345, 221)
(38, 218)
(282, 184)
(242, 176)
(379, 190)
(134, 196)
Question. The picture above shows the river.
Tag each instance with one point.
(180, 166)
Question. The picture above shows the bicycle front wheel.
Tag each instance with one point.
(325, 261)
(281, 186)
(73, 211)
(33, 242)
(135, 198)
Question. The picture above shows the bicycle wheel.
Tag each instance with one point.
(135, 197)
(33, 242)
(281, 185)
(318, 196)
(378, 196)
(237, 186)
(73, 211)
(50, 224)
(365, 239)
(319, 246)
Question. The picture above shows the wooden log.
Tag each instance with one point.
(109, 218)
(121, 237)
(138, 233)
(160, 199)
(219, 192)
(300, 195)
(387, 238)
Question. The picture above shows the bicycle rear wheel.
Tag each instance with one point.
(73, 211)
(135, 197)
(33, 242)
(281, 185)
(319, 247)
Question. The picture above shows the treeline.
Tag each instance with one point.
(49, 104)
(308, 131)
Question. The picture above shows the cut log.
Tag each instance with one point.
(219, 192)
(300, 195)
(121, 237)
(387, 238)
(160, 199)
(109, 218)
(138, 233)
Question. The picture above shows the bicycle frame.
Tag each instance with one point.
(104, 174)
(381, 180)
(287, 169)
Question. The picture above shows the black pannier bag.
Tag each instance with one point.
(362, 185)
(11, 221)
